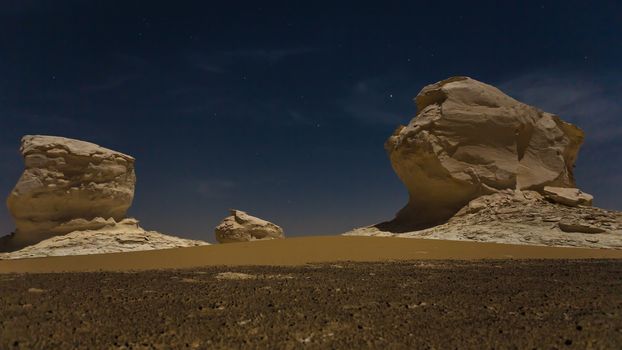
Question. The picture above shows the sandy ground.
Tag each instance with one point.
(297, 251)
(433, 304)
(317, 292)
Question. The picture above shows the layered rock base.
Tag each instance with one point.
(521, 217)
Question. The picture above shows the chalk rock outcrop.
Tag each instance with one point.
(72, 199)
(66, 184)
(481, 166)
(111, 237)
(469, 139)
(522, 217)
(568, 196)
(241, 227)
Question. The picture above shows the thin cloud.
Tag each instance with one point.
(297, 118)
(28, 7)
(17, 7)
(107, 84)
(218, 62)
(215, 188)
(38, 119)
(210, 68)
(271, 55)
(593, 103)
(9, 154)
(380, 101)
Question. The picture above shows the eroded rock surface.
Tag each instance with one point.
(66, 184)
(469, 139)
(72, 199)
(568, 196)
(105, 236)
(523, 217)
(241, 227)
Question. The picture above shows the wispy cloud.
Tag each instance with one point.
(270, 55)
(107, 84)
(210, 68)
(219, 61)
(215, 188)
(383, 100)
(592, 102)
(297, 118)
(15, 7)
(122, 69)
(38, 119)
(10, 159)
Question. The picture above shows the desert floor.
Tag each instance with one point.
(417, 294)
(298, 251)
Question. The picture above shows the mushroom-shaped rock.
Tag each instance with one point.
(72, 199)
(470, 139)
(241, 227)
(67, 184)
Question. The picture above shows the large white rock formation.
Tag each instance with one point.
(65, 180)
(241, 227)
(481, 166)
(470, 139)
(72, 198)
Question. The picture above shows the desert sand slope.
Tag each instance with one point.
(298, 251)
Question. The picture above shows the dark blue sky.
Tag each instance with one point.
(282, 108)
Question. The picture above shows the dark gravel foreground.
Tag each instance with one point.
(520, 304)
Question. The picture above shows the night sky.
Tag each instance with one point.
(282, 109)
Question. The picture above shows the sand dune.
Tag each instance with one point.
(298, 251)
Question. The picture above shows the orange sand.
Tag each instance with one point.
(297, 251)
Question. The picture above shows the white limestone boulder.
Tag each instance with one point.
(241, 227)
(469, 139)
(65, 180)
(72, 199)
